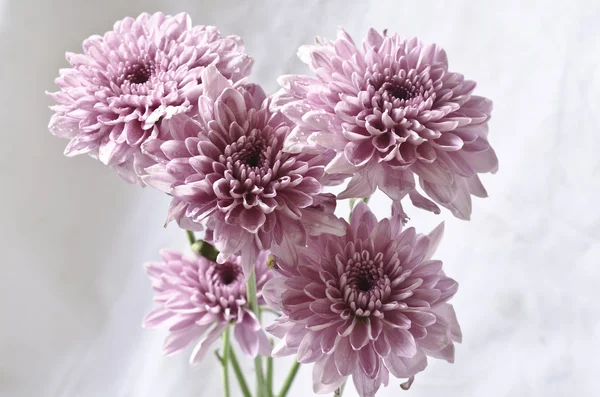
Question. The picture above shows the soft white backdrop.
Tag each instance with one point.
(73, 237)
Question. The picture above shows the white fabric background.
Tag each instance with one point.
(73, 237)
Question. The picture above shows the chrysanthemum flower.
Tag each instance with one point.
(125, 82)
(233, 176)
(392, 109)
(198, 298)
(367, 304)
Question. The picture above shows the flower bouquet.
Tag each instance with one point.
(169, 105)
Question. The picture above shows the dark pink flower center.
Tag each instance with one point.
(364, 271)
(397, 91)
(363, 283)
(393, 91)
(224, 289)
(252, 154)
(254, 170)
(227, 273)
(138, 73)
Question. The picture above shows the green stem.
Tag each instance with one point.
(239, 374)
(253, 303)
(290, 378)
(353, 203)
(266, 309)
(205, 249)
(339, 391)
(218, 356)
(225, 361)
(270, 376)
(191, 237)
(202, 247)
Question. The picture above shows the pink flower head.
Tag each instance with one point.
(392, 109)
(145, 70)
(367, 304)
(198, 298)
(232, 175)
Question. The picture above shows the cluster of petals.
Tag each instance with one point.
(367, 304)
(226, 170)
(167, 104)
(146, 69)
(391, 110)
(197, 299)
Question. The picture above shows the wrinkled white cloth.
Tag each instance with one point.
(73, 237)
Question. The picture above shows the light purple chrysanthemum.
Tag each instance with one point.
(145, 70)
(231, 175)
(391, 110)
(367, 304)
(197, 298)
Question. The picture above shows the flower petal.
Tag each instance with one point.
(204, 345)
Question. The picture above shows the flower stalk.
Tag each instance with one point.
(269, 379)
(289, 379)
(225, 362)
(202, 247)
(191, 237)
(205, 249)
(354, 200)
(340, 390)
(253, 303)
(239, 374)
